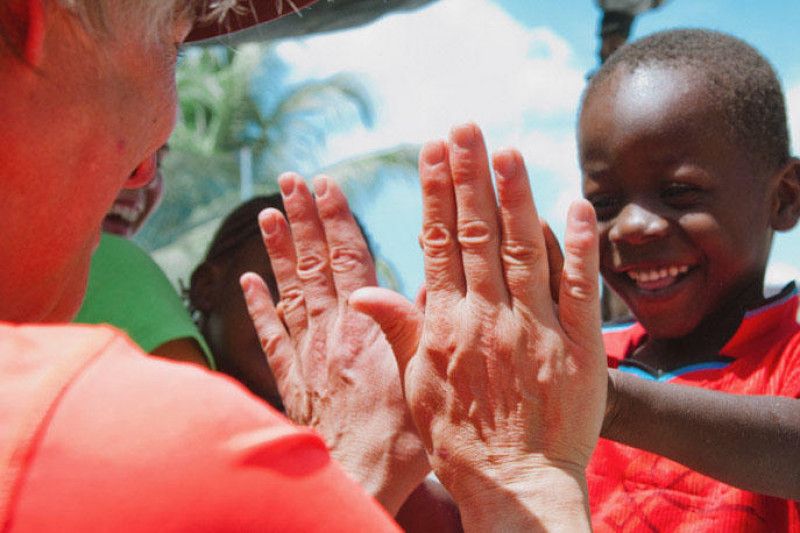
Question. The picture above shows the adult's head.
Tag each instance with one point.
(685, 156)
(88, 92)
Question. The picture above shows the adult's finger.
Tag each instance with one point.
(579, 298)
(313, 264)
(523, 244)
(275, 342)
(400, 320)
(350, 259)
(444, 275)
(555, 258)
(476, 209)
(278, 241)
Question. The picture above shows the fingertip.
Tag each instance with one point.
(320, 185)
(581, 216)
(506, 162)
(465, 135)
(287, 181)
(433, 152)
(360, 298)
(268, 220)
(247, 281)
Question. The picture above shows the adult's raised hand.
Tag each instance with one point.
(333, 365)
(506, 386)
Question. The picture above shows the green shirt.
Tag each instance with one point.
(127, 289)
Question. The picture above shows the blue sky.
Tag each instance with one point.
(517, 68)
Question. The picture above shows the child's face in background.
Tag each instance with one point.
(684, 219)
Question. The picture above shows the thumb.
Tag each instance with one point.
(400, 320)
(579, 292)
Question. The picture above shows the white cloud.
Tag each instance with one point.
(454, 61)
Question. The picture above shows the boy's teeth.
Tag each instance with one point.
(657, 274)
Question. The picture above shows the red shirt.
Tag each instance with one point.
(96, 436)
(633, 490)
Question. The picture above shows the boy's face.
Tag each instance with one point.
(684, 216)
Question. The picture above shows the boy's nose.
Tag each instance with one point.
(635, 224)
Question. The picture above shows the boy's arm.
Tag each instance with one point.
(751, 442)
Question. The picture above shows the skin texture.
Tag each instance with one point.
(507, 390)
(99, 136)
(334, 368)
(670, 189)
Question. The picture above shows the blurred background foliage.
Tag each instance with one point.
(240, 125)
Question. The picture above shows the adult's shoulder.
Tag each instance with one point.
(149, 444)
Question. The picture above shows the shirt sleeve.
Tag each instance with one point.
(128, 289)
(139, 444)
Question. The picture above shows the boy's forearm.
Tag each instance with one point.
(751, 442)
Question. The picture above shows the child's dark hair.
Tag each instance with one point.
(738, 79)
(239, 227)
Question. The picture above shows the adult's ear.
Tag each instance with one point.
(23, 28)
(786, 197)
(203, 286)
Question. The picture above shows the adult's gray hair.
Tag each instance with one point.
(155, 16)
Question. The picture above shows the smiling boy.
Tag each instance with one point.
(684, 150)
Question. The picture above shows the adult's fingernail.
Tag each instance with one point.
(433, 153)
(505, 162)
(320, 186)
(464, 135)
(286, 184)
(246, 284)
(268, 222)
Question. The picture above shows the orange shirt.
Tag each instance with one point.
(94, 435)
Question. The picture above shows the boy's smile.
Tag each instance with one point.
(684, 213)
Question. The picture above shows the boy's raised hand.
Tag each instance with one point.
(507, 388)
(333, 366)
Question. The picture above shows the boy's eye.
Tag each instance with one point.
(681, 195)
(605, 206)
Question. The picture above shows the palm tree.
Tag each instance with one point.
(222, 120)
(227, 125)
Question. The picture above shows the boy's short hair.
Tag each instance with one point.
(737, 77)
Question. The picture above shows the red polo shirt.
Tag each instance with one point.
(633, 490)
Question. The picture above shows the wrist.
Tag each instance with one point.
(530, 495)
(389, 472)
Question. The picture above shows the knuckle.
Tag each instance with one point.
(347, 258)
(578, 245)
(579, 287)
(437, 240)
(520, 253)
(474, 233)
(311, 265)
(291, 299)
(269, 345)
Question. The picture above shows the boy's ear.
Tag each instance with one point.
(24, 23)
(786, 199)
(203, 286)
